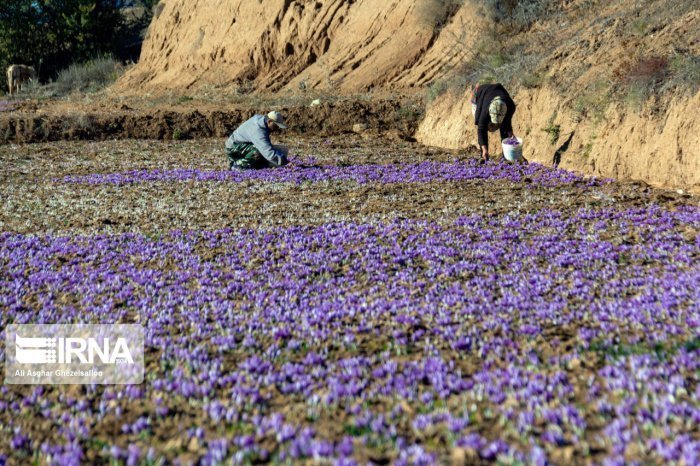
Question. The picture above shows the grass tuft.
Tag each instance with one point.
(593, 102)
(685, 72)
(457, 83)
(641, 77)
(518, 15)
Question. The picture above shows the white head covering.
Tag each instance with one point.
(277, 118)
(497, 110)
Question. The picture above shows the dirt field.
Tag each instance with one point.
(38, 202)
(376, 301)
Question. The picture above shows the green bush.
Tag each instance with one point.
(552, 129)
(637, 94)
(436, 89)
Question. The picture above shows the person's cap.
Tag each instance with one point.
(497, 111)
(277, 118)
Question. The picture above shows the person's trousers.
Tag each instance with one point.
(246, 156)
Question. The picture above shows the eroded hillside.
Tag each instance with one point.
(333, 44)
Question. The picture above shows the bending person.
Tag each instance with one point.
(249, 147)
(493, 109)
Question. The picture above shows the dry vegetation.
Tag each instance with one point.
(516, 51)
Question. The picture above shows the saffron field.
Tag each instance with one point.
(371, 303)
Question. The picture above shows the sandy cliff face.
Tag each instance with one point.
(331, 44)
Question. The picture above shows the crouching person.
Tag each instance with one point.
(249, 147)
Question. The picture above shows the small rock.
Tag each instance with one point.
(563, 455)
(463, 456)
(315, 102)
(359, 128)
(573, 364)
(193, 446)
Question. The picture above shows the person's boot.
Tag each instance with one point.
(232, 165)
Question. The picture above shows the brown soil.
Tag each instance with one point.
(36, 121)
(36, 204)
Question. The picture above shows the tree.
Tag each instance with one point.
(19, 24)
(52, 34)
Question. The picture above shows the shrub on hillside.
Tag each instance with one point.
(649, 70)
(641, 77)
(685, 72)
(657, 73)
(437, 88)
(518, 14)
(527, 12)
(88, 77)
(593, 101)
(511, 67)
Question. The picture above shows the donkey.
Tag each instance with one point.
(18, 76)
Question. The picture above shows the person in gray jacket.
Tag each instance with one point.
(249, 146)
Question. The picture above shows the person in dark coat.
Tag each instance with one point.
(493, 109)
